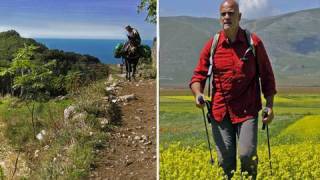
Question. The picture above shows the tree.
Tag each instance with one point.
(32, 78)
(150, 6)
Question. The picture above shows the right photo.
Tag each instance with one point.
(239, 86)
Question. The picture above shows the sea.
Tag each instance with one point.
(100, 48)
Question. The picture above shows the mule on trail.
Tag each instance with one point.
(131, 55)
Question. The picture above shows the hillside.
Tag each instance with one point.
(11, 41)
(292, 41)
(67, 69)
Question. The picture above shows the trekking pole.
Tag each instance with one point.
(202, 101)
(264, 115)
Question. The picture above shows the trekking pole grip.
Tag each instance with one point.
(264, 115)
(201, 100)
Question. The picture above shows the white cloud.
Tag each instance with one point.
(76, 30)
(5, 28)
(253, 9)
(60, 30)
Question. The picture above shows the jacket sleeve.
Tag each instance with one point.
(201, 69)
(268, 85)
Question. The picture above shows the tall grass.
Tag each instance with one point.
(68, 148)
(1, 174)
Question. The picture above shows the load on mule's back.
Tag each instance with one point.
(131, 51)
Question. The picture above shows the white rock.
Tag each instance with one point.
(144, 137)
(110, 89)
(148, 143)
(128, 97)
(137, 118)
(36, 153)
(69, 112)
(106, 98)
(43, 132)
(80, 116)
(60, 98)
(39, 136)
(104, 121)
(110, 78)
(140, 110)
(137, 138)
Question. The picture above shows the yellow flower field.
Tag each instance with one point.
(294, 138)
(305, 128)
(299, 161)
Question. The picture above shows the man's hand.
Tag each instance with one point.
(267, 115)
(200, 102)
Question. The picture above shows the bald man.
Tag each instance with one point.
(235, 98)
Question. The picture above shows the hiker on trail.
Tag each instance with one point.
(235, 98)
(134, 39)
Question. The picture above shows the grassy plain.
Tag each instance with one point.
(294, 138)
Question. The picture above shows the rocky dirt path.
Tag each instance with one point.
(131, 153)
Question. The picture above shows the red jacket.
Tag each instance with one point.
(234, 80)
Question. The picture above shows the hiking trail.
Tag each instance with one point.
(131, 149)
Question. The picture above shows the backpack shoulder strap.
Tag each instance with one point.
(250, 42)
(212, 51)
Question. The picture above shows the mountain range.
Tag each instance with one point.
(292, 41)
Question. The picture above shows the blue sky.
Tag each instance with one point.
(73, 18)
(254, 9)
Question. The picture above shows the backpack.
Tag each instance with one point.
(213, 49)
(117, 52)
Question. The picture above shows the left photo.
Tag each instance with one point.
(78, 89)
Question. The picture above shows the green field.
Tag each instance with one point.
(294, 133)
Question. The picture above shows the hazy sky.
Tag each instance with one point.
(74, 18)
(250, 8)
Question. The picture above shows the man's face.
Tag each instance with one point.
(229, 16)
